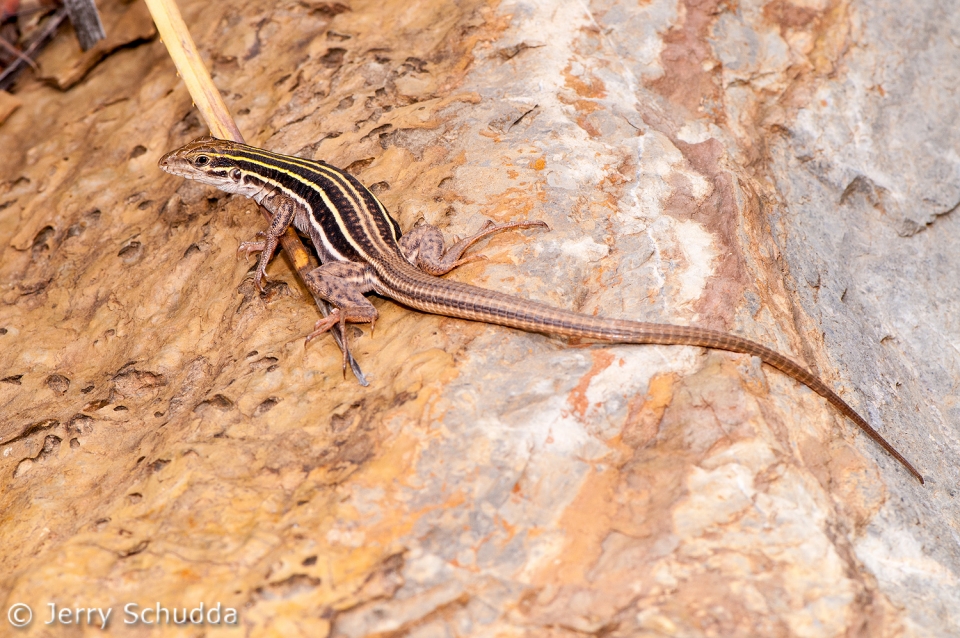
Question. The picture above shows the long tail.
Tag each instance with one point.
(413, 288)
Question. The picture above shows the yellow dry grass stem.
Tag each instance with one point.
(175, 36)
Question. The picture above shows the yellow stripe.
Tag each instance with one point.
(281, 186)
(364, 215)
(294, 177)
(341, 179)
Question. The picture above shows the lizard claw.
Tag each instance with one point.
(537, 223)
(467, 260)
(250, 247)
(337, 317)
(323, 325)
(259, 278)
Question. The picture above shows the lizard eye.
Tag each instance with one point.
(235, 175)
(202, 160)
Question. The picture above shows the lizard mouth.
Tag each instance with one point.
(172, 164)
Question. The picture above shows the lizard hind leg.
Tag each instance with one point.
(343, 284)
(424, 247)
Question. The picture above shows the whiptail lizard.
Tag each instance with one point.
(362, 250)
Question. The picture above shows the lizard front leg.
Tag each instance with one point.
(343, 284)
(284, 210)
(423, 246)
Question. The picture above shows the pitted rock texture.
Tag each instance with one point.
(787, 171)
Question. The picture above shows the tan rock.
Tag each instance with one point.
(8, 104)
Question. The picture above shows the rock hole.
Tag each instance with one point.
(416, 64)
(356, 167)
(379, 131)
(131, 252)
(343, 421)
(58, 383)
(309, 561)
(379, 187)
(132, 382)
(217, 401)
(267, 405)
(40, 241)
(51, 445)
(264, 362)
(135, 498)
(137, 151)
(192, 249)
(136, 549)
(74, 443)
(87, 390)
(159, 464)
(333, 57)
(121, 408)
(289, 587)
(32, 429)
(15, 379)
(80, 424)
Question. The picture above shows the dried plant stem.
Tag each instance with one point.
(50, 27)
(175, 36)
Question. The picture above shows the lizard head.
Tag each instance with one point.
(215, 162)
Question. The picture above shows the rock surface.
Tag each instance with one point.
(785, 170)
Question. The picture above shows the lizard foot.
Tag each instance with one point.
(340, 317)
(248, 248)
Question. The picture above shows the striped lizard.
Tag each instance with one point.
(362, 250)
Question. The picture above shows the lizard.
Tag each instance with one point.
(362, 250)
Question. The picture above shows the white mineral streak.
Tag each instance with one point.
(585, 249)
(698, 253)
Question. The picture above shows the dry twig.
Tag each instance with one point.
(176, 37)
